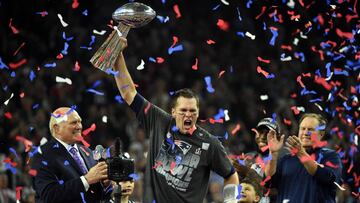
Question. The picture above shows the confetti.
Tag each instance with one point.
(7, 101)
(195, 66)
(141, 65)
(63, 80)
(209, 87)
(177, 11)
(63, 23)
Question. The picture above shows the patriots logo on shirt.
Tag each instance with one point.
(184, 146)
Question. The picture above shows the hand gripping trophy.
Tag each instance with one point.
(130, 15)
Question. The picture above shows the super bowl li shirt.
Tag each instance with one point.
(178, 165)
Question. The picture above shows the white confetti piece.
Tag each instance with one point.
(291, 4)
(264, 97)
(118, 31)
(141, 66)
(64, 80)
(356, 140)
(285, 201)
(226, 113)
(62, 21)
(251, 36)
(339, 186)
(104, 119)
(303, 36)
(225, 2)
(7, 101)
(296, 41)
(300, 108)
(288, 58)
(102, 32)
(318, 105)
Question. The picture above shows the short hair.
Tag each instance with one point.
(256, 184)
(185, 92)
(59, 112)
(319, 117)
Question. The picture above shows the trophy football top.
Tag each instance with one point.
(134, 14)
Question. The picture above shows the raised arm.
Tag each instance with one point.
(123, 79)
(274, 147)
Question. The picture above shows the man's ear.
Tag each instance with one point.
(257, 198)
(173, 112)
(55, 128)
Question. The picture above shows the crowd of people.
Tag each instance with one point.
(242, 96)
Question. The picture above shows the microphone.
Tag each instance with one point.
(117, 147)
(98, 153)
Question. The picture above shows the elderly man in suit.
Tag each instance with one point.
(66, 170)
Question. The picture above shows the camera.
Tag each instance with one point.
(120, 168)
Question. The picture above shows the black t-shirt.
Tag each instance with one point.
(178, 166)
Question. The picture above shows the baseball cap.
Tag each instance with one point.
(270, 124)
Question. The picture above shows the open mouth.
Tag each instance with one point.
(126, 191)
(187, 123)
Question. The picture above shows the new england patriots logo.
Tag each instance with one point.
(183, 146)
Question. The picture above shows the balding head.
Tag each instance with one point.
(58, 116)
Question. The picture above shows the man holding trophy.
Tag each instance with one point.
(181, 154)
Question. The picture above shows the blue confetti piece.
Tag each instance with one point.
(231, 69)
(108, 154)
(264, 26)
(241, 162)
(174, 128)
(271, 75)
(175, 49)
(163, 1)
(66, 163)
(44, 163)
(319, 158)
(171, 93)
(85, 12)
(226, 136)
(110, 71)
(34, 151)
(328, 71)
(82, 197)
(13, 74)
(35, 106)
(56, 145)
(3, 65)
(95, 92)
(66, 46)
(84, 47)
(151, 59)
(238, 12)
(317, 72)
(50, 65)
(338, 72)
(304, 91)
(134, 176)
(273, 116)
(172, 144)
(300, 55)
(209, 87)
(42, 13)
(178, 159)
(216, 7)
(220, 114)
(248, 4)
(12, 150)
(92, 40)
(119, 99)
(32, 75)
(61, 182)
(9, 167)
(348, 108)
(162, 19)
(241, 34)
(267, 158)
(320, 127)
(315, 100)
(339, 57)
(66, 38)
(96, 84)
(239, 192)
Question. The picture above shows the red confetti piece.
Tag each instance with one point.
(322, 81)
(317, 142)
(91, 129)
(75, 4)
(81, 139)
(260, 70)
(287, 47)
(263, 60)
(177, 11)
(221, 73)
(18, 64)
(8, 115)
(287, 121)
(304, 159)
(212, 121)
(157, 164)
(22, 95)
(147, 108)
(175, 40)
(172, 166)
(33, 172)
(27, 143)
(13, 29)
(295, 110)
(59, 56)
(195, 66)
(298, 79)
(8, 161)
(264, 181)
(223, 25)
(331, 165)
(192, 129)
(84, 150)
(210, 41)
(236, 129)
(356, 179)
(77, 66)
(18, 49)
(18, 192)
(264, 148)
(263, 9)
(159, 60)
(301, 3)
(342, 34)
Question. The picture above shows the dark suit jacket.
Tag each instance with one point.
(58, 176)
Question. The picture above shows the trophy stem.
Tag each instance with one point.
(106, 55)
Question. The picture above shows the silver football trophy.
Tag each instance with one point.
(130, 15)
